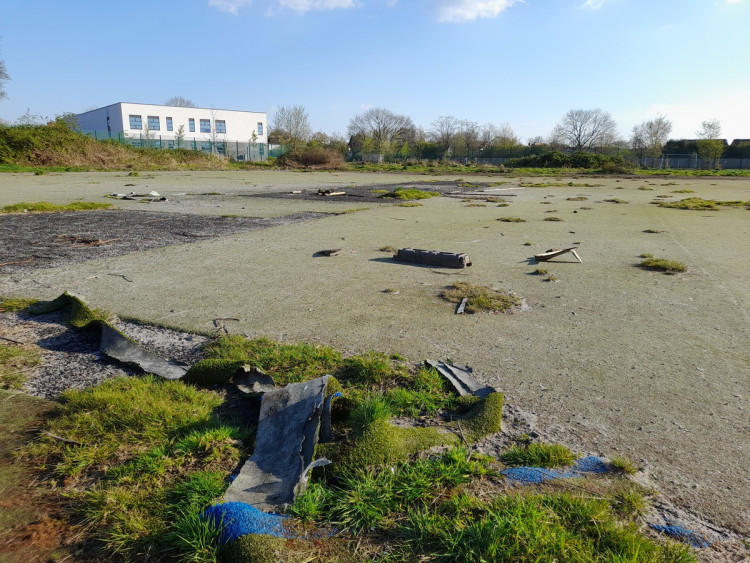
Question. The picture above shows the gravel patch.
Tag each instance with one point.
(47, 240)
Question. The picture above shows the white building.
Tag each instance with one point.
(207, 129)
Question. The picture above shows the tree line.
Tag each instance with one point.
(380, 131)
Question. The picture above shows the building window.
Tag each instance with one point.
(206, 147)
(260, 128)
(220, 125)
(205, 125)
(153, 123)
(170, 144)
(191, 125)
(135, 122)
(169, 124)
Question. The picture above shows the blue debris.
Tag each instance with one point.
(590, 464)
(533, 474)
(680, 533)
(238, 519)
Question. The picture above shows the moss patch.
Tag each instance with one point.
(484, 419)
(383, 443)
(80, 315)
(663, 265)
(13, 305)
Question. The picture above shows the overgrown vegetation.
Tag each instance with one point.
(145, 457)
(318, 158)
(47, 207)
(480, 298)
(41, 147)
(430, 510)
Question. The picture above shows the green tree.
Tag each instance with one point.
(711, 150)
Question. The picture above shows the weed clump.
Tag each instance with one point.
(409, 193)
(480, 298)
(615, 200)
(663, 265)
(511, 219)
(553, 219)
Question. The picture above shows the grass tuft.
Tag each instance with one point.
(615, 200)
(16, 361)
(538, 455)
(663, 265)
(480, 298)
(511, 219)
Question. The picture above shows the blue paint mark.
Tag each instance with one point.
(590, 464)
(240, 519)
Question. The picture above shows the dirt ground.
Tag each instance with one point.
(610, 359)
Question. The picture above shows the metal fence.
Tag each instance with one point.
(691, 161)
(234, 150)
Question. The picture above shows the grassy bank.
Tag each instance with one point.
(140, 458)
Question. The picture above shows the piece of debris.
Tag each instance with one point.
(328, 252)
(329, 193)
(285, 442)
(462, 306)
(295, 192)
(433, 258)
(250, 380)
(460, 378)
(553, 252)
(116, 345)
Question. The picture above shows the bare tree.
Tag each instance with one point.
(709, 130)
(292, 124)
(4, 77)
(506, 137)
(651, 136)
(585, 129)
(444, 130)
(383, 127)
(180, 102)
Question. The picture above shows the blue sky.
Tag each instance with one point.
(519, 62)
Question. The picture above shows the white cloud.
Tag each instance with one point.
(469, 10)
(308, 5)
(734, 1)
(229, 6)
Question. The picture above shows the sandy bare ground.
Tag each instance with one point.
(610, 359)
